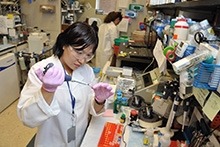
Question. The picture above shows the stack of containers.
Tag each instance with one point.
(117, 43)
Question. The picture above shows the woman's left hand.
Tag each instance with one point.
(102, 92)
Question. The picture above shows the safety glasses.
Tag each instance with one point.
(81, 54)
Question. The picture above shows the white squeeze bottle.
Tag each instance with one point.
(164, 141)
(5, 40)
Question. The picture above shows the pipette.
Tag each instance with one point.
(67, 77)
(185, 108)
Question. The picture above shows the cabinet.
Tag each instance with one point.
(9, 91)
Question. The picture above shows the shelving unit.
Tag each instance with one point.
(199, 4)
(196, 10)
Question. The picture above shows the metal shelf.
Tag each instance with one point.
(200, 4)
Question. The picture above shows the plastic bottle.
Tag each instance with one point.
(181, 29)
(164, 141)
(5, 40)
(194, 28)
(148, 139)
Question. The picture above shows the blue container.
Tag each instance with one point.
(189, 50)
(203, 75)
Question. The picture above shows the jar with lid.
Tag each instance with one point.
(181, 29)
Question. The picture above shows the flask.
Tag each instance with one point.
(181, 29)
(5, 40)
(164, 141)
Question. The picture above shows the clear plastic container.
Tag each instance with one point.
(148, 139)
(164, 141)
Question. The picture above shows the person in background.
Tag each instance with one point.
(58, 107)
(95, 26)
(108, 32)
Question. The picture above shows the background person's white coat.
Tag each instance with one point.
(108, 32)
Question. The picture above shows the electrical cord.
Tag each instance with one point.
(123, 133)
(200, 139)
(149, 65)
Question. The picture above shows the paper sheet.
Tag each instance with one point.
(3, 25)
(212, 106)
(200, 95)
(160, 58)
(123, 25)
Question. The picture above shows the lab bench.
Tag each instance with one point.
(134, 54)
(150, 84)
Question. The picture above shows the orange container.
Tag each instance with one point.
(116, 50)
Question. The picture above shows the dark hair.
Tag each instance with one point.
(79, 34)
(94, 26)
(112, 16)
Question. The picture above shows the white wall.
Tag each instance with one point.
(52, 22)
(46, 21)
(134, 22)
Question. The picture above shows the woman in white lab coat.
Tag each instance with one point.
(107, 33)
(61, 109)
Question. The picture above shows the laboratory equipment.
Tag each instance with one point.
(67, 77)
(171, 92)
(147, 118)
(147, 83)
(113, 71)
(136, 101)
(9, 90)
(37, 42)
(125, 84)
(185, 108)
(190, 60)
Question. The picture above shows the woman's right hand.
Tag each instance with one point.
(51, 79)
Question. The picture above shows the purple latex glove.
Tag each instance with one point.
(102, 91)
(53, 78)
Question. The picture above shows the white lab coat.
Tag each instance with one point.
(107, 33)
(54, 120)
